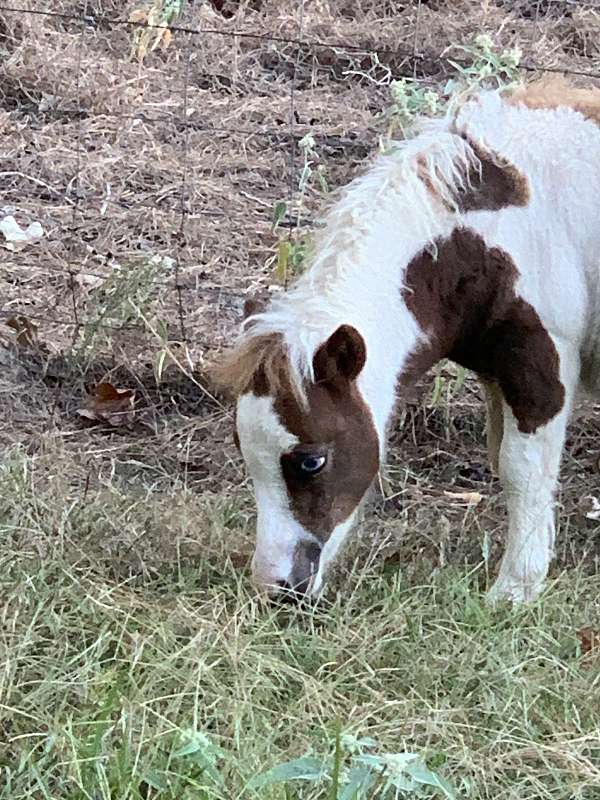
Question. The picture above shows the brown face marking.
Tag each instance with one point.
(465, 301)
(337, 424)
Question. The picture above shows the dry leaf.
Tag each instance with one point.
(138, 15)
(167, 38)
(589, 639)
(109, 404)
(468, 498)
(17, 237)
(25, 329)
(85, 280)
(162, 38)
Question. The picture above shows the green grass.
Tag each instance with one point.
(111, 676)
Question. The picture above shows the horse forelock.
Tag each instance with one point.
(261, 364)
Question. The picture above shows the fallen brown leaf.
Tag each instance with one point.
(86, 281)
(26, 331)
(589, 639)
(109, 404)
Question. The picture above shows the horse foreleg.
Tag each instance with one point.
(528, 466)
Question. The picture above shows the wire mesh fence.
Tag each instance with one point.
(149, 182)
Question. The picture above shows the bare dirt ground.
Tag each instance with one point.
(183, 156)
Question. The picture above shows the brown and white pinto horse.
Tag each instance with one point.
(478, 240)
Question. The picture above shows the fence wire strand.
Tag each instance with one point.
(292, 127)
(183, 197)
(103, 20)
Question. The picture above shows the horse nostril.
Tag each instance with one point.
(286, 594)
(313, 554)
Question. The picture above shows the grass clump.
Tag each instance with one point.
(125, 296)
(169, 683)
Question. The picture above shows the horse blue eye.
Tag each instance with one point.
(312, 464)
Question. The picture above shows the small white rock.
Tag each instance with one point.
(17, 237)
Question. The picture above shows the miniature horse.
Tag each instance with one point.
(479, 241)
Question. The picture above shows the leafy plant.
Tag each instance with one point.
(153, 26)
(193, 765)
(310, 157)
(199, 749)
(488, 68)
(355, 771)
(410, 100)
(483, 66)
(291, 257)
(293, 251)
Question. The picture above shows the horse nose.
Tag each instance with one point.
(296, 588)
(287, 593)
(306, 565)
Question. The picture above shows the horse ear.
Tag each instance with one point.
(254, 305)
(341, 357)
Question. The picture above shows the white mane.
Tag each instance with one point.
(416, 184)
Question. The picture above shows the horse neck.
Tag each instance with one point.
(389, 344)
(361, 276)
(391, 332)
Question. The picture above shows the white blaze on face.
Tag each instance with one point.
(263, 439)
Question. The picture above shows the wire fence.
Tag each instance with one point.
(409, 60)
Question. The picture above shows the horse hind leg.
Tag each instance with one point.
(494, 423)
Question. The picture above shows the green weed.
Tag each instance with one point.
(124, 297)
(483, 66)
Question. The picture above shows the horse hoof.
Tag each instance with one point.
(517, 592)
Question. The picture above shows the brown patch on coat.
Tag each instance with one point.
(496, 184)
(555, 91)
(466, 304)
